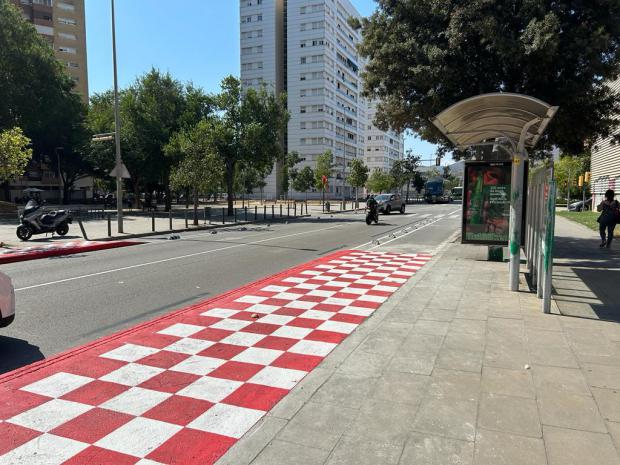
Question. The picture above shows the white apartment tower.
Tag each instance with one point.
(383, 148)
(308, 49)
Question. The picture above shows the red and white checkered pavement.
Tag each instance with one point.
(33, 252)
(184, 388)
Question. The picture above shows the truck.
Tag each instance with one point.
(436, 191)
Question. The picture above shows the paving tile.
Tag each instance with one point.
(318, 425)
(280, 452)
(510, 357)
(570, 447)
(495, 448)
(457, 384)
(346, 390)
(364, 364)
(434, 450)
(363, 451)
(436, 328)
(508, 382)
(448, 417)
(559, 378)
(473, 326)
(417, 342)
(515, 415)
(381, 420)
(464, 341)
(603, 376)
(421, 363)
(614, 431)
(244, 451)
(405, 388)
(568, 410)
(608, 401)
(558, 356)
(459, 360)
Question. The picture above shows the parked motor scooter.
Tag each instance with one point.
(36, 221)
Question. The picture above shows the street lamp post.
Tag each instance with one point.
(117, 134)
(60, 180)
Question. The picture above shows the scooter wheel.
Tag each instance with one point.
(24, 232)
(62, 229)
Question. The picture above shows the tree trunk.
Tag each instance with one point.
(230, 180)
(357, 204)
(136, 194)
(195, 207)
(407, 198)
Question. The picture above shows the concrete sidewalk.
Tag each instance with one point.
(454, 369)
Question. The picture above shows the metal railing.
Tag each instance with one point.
(540, 230)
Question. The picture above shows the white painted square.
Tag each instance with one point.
(47, 449)
(312, 272)
(258, 356)
(373, 298)
(375, 274)
(139, 437)
(361, 311)
(220, 312)
(251, 299)
(307, 286)
(211, 389)
(403, 273)
(324, 278)
(381, 288)
(312, 348)
(135, 401)
(295, 279)
(148, 462)
(301, 304)
(362, 269)
(325, 267)
(372, 282)
(338, 327)
(198, 365)
(132, 374)
(279, 320)
(231, 325)
(49, 415)
(283, 378)
(337, 283)
(130, 352)
(338, 301)
(320, 293)
(352, 276)
(227, 420)
(57, 385)
(181, 330)
(356, 290)
(273, 288)
(292, 332)
(317, 315)
(243, 339)
(189, 346)
(263, 308)
(286, 296)
(393, 279)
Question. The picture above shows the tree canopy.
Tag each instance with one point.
(424, 56)
(15, 153)
(380, 181)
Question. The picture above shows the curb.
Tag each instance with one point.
(34, 255)
(7, 377)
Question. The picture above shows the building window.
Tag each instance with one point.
(66, 6)
(67, 21)
(67, 50)
(72, 64)
(64, 35)
(259, 18)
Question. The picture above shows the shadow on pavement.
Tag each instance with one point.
(17, 353)
(585, 279)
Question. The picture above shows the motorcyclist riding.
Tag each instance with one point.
(373, 210)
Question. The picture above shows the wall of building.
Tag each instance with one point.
(382, 148)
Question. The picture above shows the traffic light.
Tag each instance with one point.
(587, 177)
(580, 182)
(438, 161)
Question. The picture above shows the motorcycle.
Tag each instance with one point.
(35, 221)
(372, 215)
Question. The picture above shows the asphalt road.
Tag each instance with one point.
(67, 301)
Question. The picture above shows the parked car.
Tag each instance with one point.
(390, 202)
(578, 206)
(7, 301)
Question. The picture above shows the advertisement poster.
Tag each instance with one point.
(486, 203)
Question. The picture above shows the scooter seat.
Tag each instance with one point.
(48, 218)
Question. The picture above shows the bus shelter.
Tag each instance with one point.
(510, 122)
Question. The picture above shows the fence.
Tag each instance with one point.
(540, 230)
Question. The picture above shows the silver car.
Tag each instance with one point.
(390, 202)
(7, 301)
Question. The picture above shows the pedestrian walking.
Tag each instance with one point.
(609, 217)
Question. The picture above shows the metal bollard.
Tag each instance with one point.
(280, 211)
(223, 216)
(205, 221)
(210, 215)
(264, 212)
(153, 222)
(295, 210)
(235, 214)
(273, 212)
(186, 225)
(170, 218)
(109, 226)
(255, 213)
(288, 210)
(245, 212)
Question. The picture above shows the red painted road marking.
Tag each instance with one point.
(19, 254)
(184, 388)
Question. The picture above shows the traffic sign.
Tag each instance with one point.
(124, 172)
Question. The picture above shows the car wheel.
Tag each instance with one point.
(388, 209)
(402, 209)
(62, 229)
(24, 232)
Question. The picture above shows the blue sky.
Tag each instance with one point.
(195, 40)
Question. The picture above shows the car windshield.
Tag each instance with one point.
(381, 198)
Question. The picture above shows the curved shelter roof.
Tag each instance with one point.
(487, 117)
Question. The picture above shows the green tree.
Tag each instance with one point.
(425, 56)
(15, 153)
(304, 180)
(418, 181)
(200, 169)
(567, 171)
(358, 176)
(380, 181)
(324, 168)
(253, 125)
(288, 171)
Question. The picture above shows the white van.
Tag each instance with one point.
(7, 301)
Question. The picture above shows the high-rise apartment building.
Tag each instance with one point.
(308, 49)
(63, 24)
(382, 148)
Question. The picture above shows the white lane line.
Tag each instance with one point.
(411, 232)
(140, 265)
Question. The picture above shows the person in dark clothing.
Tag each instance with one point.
(607, 219)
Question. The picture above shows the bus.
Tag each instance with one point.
(435, 191)
(457, 193)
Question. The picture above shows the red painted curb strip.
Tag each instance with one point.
(6, 377)
(43, 253)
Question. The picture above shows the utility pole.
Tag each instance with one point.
(568, 188)
(60, 180)
(117, 132)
